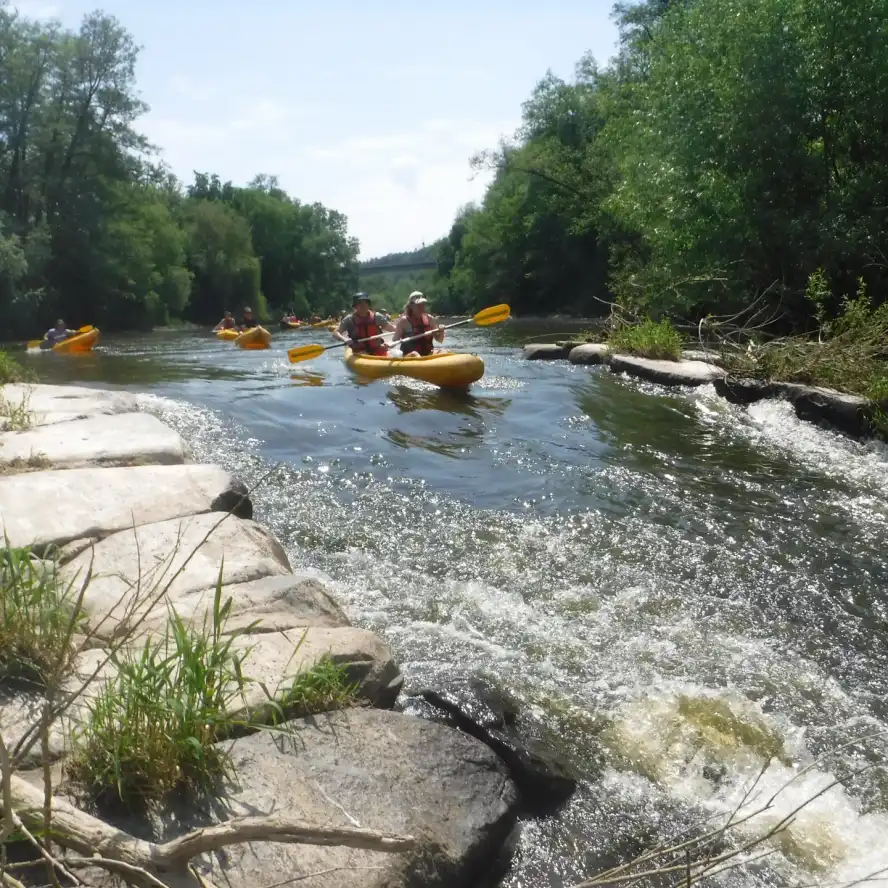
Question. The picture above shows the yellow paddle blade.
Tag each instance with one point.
(496, 314)
(305, 353)
(34, 343)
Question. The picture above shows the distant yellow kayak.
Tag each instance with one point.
(82, 342)
(255, 337)
(444, 369)
(227, 335)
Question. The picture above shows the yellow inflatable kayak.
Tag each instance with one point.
(255, 337)
(445, 369)
(227, 335)
(82, 342)
(290, 325)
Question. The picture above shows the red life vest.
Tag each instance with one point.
(227, 323)
(364, 328)
(424, 346)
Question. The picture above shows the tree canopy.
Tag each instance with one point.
(94, 229)
(731, 149)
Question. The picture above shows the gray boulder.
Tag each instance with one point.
(546, 351)
(369, 768)
(590, 353)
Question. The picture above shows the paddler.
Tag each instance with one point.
(57, 333)
(413, 322)
(363, 323)
(248, 321)
(227, 323)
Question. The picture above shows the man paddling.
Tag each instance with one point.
(248, 321)
(363, 323)
(57, 333)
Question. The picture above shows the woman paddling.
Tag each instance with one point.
(414, 322)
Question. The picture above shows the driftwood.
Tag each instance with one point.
(150, 865)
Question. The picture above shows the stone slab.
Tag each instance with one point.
(590, 353)
(119, 439)
(46, 508)
(369, 768)
(131, 568)
(280, 603)
(50, 404)
(666, 372)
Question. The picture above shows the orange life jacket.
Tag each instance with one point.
(364, 328)
(424, 346)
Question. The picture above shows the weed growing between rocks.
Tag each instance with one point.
(153, 729)
(11, 370)
(38, 618)
(16, 417)
(646, 339)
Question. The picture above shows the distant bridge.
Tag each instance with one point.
(399, 266)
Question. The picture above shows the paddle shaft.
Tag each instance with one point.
(406, 339)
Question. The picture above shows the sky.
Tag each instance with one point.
(372, 107)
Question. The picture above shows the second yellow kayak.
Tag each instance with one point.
(255, 337)
(82, 342)
(444, 369)
(227, 335)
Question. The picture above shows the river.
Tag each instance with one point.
(677, 590)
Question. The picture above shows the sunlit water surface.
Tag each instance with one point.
(677, 590)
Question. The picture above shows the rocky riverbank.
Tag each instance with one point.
(851, 414)
(106, 495)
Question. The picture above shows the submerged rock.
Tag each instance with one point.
(544, 779)
(546, 351)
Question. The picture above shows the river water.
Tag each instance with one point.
(677, 590)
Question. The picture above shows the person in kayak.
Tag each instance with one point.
(227, 323)
(362, 323)
(57, 333)
(414, 321)
(248, 321)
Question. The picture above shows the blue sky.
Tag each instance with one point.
(372, 107)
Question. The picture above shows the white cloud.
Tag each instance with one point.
(398, 188)
(36, 9)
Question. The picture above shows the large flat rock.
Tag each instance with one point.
(666, 372)
(54, 507)
(119, 439)
(368, 768)
(279, 603)
(51, 404)
(145, 568)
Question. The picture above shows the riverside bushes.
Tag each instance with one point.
(647, 339)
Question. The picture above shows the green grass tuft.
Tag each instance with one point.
(38, 616)
(12, 371)
(648, 339)
(153, 728)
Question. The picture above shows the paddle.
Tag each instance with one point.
(45, 343)
(496, 314)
